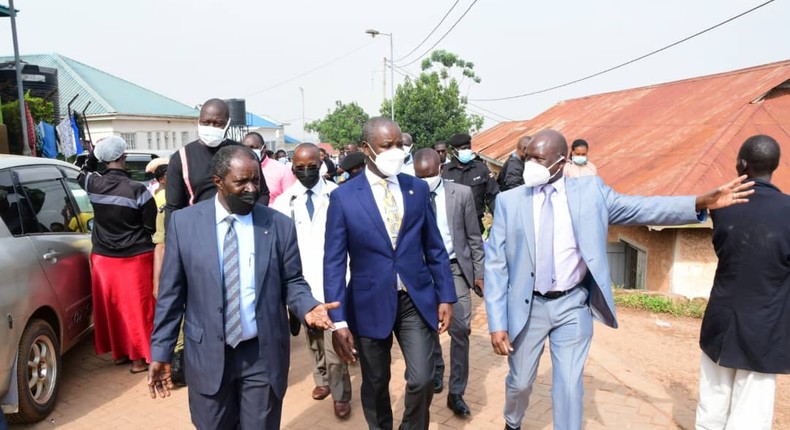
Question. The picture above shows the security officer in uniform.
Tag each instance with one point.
(464, 169)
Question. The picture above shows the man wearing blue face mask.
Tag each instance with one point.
(465, 170)
(547, 274)
(579, 164)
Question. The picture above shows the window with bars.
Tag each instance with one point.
(150, 140)
(158, 140)
(184, 138)
(130, 140)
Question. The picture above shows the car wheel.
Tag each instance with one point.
(38, 372)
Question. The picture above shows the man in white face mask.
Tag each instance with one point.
(400, 279)
(456, 218)
(193, 183)
(547, 273)
(408, 162)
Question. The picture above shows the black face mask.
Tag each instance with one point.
(307, 177)
(241, 204)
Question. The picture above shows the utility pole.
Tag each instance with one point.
(384, 80)
(20, 89)
(301, 90)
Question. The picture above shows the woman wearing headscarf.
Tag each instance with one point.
(122, 257)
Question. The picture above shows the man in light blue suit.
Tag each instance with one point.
(547, 274)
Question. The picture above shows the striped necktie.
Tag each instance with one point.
(230, 271)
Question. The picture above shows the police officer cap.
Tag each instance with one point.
(352, 160)
(460, 139)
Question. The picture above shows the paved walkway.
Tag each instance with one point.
(97, 394)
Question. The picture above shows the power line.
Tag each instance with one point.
(314, 69)
(627, 62)
(431, 33)
(442, 38)
(405, 73)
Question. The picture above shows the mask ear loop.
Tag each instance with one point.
(562, 157)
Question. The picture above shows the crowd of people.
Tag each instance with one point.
(201, 284)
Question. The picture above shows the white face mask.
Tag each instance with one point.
(389, 162)
(406, 149)
(257, 152)
(212, 136)
(433, 182)
(535, 174)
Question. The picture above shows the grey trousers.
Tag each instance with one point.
(328, 368)
(460, 329)
(567, 322)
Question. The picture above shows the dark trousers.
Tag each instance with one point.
(416, 341)
(245, 399)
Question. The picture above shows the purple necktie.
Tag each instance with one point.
(544, 272)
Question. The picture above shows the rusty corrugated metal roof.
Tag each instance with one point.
(675, 138)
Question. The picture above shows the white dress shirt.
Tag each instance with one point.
(568, 263)
(378, 193)
(441, 218)
(309, 233)
(245, 234)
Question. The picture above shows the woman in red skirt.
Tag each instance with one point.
(122, 258)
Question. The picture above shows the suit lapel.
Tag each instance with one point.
(409, 204)
(574, 205)
(528, 219)
(450, 204)
(262, 227)
(209, 241)
(367, 201)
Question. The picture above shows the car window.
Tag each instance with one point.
(135, 166)
(9, 204)
(48, 207)
(83, 222)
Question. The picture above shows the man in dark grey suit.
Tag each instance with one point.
(456, 218)
(230, 268)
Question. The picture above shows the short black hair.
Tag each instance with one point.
(258, 135)
(160, 171)
(761, 154)
(218, 103)
(371, 124)
(269, 153)
(281, 151)
(220, 164)
(579, 142)
(441, 142)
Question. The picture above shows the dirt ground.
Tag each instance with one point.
(672, 355)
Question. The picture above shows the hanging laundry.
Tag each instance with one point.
(66, 138)
(76, 131)
(49, 148)
(31, 133)
(39, 138)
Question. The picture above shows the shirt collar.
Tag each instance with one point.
(439, 188)
(559, 186)
(374, 179)
(318, 188)
(221, 214)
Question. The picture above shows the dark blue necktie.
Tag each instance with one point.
(310, 205)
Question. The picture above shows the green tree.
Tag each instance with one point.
(341, 126)
(40, 110)
(430, 107)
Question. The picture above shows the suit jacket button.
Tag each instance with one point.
(532, 274)
(219, 309)
(219, 338)
(526, 301)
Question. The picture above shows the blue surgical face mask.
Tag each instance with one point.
(465, 155)
(579, 159)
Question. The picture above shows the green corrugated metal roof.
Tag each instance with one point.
(107, 93)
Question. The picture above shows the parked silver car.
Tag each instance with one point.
(45, 280)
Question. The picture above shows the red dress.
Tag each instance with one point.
(123, 305)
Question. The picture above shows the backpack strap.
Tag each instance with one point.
(182, 153)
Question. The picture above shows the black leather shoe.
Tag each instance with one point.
(507, 427)
(438, 384)
(457, 404)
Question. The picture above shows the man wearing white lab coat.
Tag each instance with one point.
(306, 202)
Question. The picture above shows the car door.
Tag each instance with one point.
(59, 234)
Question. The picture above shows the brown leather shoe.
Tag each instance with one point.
(320, 392)
(342, 409)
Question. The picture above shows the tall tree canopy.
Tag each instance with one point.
(431, 107)
(341, 126)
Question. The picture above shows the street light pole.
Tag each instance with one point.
(374, 33)
(20, 89)
(303, 131)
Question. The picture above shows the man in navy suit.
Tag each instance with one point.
(547, 274)
(230, 267)
(382, 224)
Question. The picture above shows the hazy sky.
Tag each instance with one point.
(194, 50)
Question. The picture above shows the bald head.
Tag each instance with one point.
(426, 163)
(306, 152)
(758, 157)
(214, 113)
(521, 147)
(373, 125)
